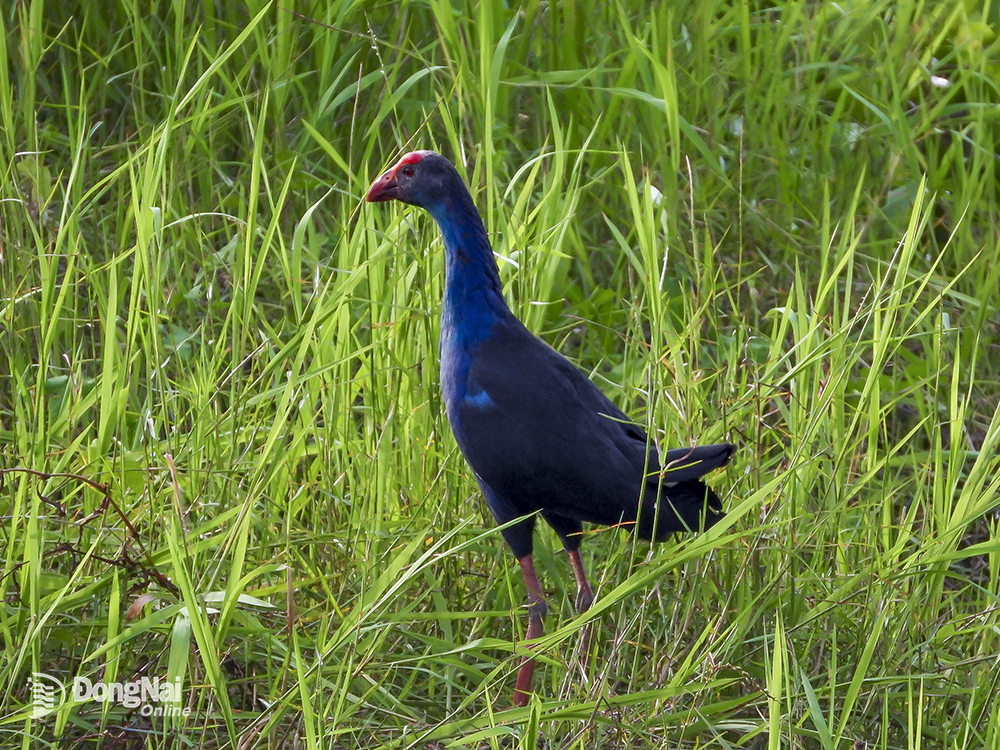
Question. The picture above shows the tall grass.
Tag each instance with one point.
(223, 454)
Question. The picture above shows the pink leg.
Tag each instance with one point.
(536, 611)
(584, 594)
(584, 598)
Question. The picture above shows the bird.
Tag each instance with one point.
(540, 436)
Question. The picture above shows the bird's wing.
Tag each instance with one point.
(541, 434)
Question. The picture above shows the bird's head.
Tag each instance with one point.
(420, 178)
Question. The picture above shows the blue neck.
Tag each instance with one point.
(473, 296)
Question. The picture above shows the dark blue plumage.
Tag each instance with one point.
(538, 434)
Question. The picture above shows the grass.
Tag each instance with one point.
(223, 454)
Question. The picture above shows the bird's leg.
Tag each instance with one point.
(584, 594)
(537, 608)
(584, 598)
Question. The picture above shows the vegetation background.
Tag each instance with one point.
(223, 454)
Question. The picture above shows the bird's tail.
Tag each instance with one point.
(675, 499)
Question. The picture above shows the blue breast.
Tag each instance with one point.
(458, 384)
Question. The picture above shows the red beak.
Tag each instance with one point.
(385, 188)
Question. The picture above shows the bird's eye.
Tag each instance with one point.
(407, 171)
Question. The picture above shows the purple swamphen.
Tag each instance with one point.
(538, 434)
